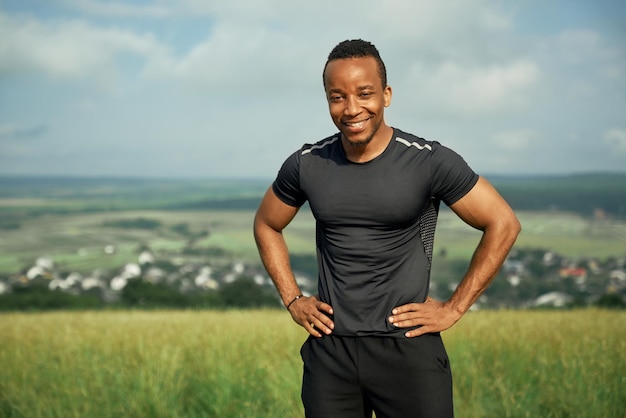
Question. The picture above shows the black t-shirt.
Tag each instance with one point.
(375, 223)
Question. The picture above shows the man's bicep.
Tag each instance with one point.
(273, 212)
(482, 205)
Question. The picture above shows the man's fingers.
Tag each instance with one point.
(312, 315)
(324, 307)
(407, 319)
(323, 324)
(312, 330)
(416, 332)
(405, 323)
(411, 307)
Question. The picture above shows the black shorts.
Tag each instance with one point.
(395, 377)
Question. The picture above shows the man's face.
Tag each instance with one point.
(356, 98)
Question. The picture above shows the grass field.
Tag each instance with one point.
(246, 364)
(77, 240)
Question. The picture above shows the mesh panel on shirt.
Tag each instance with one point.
(428, 224)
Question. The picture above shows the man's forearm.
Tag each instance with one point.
(275, 257)
(487, 260)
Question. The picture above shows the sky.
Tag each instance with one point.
(228, 89)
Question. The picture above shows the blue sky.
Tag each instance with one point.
(195, 88)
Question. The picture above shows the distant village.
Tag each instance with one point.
(172, 277)
(540, 278)
(193, 276)
(528, 279)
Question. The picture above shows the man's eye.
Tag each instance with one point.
(335, 98)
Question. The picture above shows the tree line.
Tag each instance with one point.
(242, 293)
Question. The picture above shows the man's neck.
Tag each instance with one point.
(365, 153)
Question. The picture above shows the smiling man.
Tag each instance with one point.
(374, 190)
(356, 105)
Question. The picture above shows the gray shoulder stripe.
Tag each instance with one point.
(414, 144)
(320, 146)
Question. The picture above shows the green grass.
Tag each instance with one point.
(568, 234)
(78, 240)
(540, 364)
(137, 364)
(246, 364)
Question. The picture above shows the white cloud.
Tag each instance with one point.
(518, 140)
(189, 73)
(493, 88)
(580, 63)
(9, 131)
(428, 22)
(84, 106)
(119, 9)
(575, 46)
(615, 139)
(68, 49)
(6, 130)
(251, 43)
(240, 61)
(505, 151)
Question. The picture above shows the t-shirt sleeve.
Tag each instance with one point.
(452, 176)
(286, 186)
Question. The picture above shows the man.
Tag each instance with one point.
(374, 190)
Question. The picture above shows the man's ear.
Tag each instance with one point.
(387, 94)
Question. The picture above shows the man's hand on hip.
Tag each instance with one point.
(312, 315)
(430, 316)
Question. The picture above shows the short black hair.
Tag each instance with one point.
(357, 48)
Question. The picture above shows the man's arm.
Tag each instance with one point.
(484, 209)
(271, 218)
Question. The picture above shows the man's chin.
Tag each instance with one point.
(357, 142)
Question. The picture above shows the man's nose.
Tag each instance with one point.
(352, 106)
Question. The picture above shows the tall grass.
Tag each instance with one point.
(540, 364)
(246, 364)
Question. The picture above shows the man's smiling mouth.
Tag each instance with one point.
(356, 125)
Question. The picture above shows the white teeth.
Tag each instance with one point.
(356, 125)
